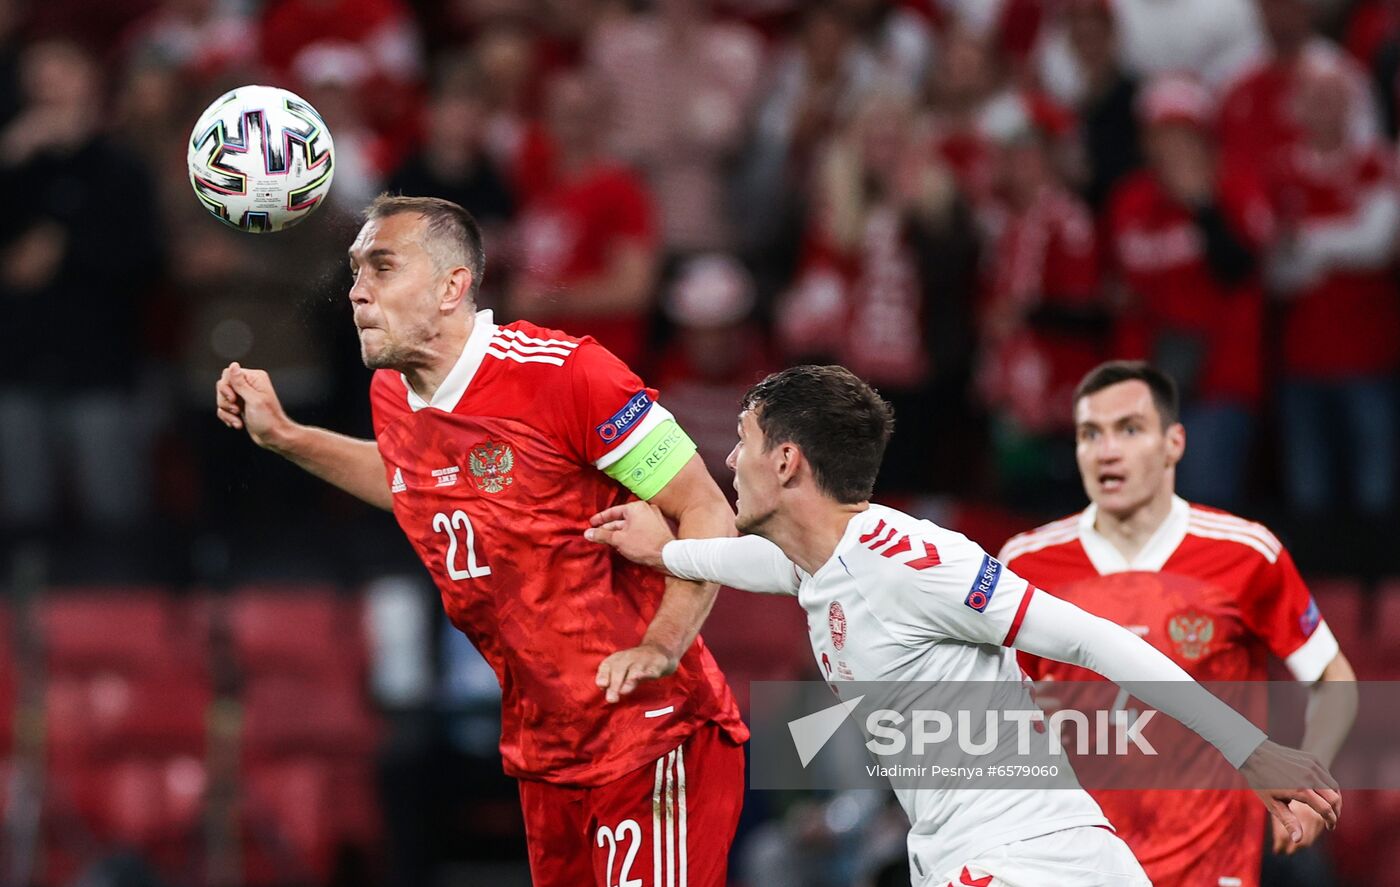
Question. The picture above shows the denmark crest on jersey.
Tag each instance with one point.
(1192, 633)
(836, 621)
(491, 464)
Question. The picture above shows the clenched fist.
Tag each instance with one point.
(246, 399)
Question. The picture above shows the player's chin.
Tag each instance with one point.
(747, 522)
(1116, 501)
(372, 352)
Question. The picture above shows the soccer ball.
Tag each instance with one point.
(260, 159)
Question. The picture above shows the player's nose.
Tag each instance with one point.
(1108, 449)
(729, 460)
(359, 292)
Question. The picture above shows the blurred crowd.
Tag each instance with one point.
(969, 202)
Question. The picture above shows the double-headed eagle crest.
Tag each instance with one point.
(1192, 634)
(491, 464)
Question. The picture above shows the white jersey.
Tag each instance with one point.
(903, 599)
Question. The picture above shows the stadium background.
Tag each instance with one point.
(218, 671)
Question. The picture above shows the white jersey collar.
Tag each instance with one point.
(454, 386)
(1108, 559)
(847, 541)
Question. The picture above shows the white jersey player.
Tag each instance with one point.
(893, 598)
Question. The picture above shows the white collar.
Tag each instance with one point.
(844, 544)
(454, 384)
(1153, 556)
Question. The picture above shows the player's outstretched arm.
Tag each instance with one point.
(691, 500)
(1056, 629)
(1332, 704)
(636, 530)
(639, 533)
(246, 399)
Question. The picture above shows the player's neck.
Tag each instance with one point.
(436, 359)
(808, 534)
(1129, 532)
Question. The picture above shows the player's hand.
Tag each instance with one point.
(1280, 775)
(1313, 827)
(621, 672)
(637, 530)
(246, 399)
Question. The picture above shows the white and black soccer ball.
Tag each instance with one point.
(261, 159)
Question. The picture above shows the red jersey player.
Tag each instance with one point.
(493, 446)
(1214, 592)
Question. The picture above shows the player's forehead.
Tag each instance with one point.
(398, 234)
(748, 424)
(1115, 403)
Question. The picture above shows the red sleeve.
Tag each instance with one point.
(1032, 666)
(387, 399)
(1278, 608)
(1131, 333)
(1245, 203)
(1072, 269)
(1117, 218)
(600, 405)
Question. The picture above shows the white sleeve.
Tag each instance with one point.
(1362, 243)
(1056, 629)
(965, 594)
(750, 563)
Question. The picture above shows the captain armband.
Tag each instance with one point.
(651, 464)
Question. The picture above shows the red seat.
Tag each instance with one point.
(121, 629)
(110, 714)
(1352, 845)
(288, 822)
(286, 716)
(1385, 626)
(1342, 604)
(140, 800)
(300, 629)
(758, 637)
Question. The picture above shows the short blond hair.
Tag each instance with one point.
(454, 237)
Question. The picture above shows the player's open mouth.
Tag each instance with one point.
(1111, 482)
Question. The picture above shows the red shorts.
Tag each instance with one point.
(668, 824)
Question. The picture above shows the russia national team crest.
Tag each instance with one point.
(1192, 633)
(836, 621)
(491, 463)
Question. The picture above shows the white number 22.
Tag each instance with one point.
(449, 525)
(625, 828)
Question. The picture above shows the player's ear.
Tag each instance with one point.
(456, 288)
(789, 458)
(1176, 443)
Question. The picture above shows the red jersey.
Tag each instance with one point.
(1217, 594)
(1161, 254)
(493, 482)
(1255, 116)
(1347, 322)
(569, 233)
(1046, 256)
(861, 304)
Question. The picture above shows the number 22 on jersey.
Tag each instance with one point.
(458, 521)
